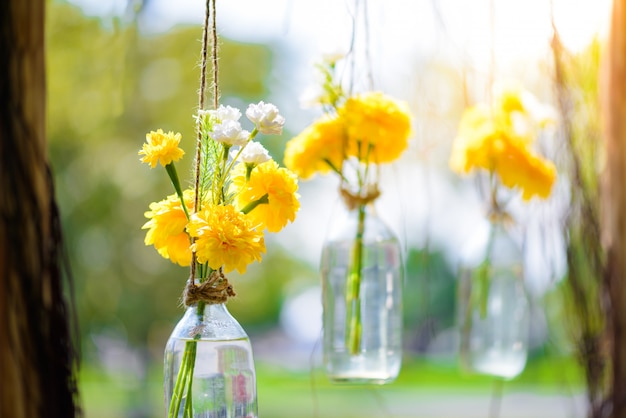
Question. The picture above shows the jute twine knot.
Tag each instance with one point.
(353, 201)
(216, 289)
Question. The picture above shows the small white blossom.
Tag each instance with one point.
(229, 132)
(333, 55)
(522, 124)
(224, 113)
(542, 114)
(312, 96)
(202, 115)
(255, 153)
(266, 118)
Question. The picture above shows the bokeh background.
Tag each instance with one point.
(118, 69)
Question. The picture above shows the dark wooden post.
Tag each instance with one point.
(36, 356)
(614, 199)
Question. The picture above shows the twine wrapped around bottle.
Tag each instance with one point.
(353, 201)
(216, 289)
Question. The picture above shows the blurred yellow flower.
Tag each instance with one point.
(225, 238)
(488, 139)
(166, 228)
(509, 99)
(276, 190)
(161, 148)
(317, 149)
(378, 127)
(533, 175)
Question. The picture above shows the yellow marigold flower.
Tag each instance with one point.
(166, 228)
(487, 140)
(267, 181)
(469, 147)
(317, 149)
(519, 167)
(225, 238)
(509, 99)
(378, 127)
(161, 148)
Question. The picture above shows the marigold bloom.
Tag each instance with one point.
(378, 127)
(225, 238)
(317, 149)
(488, 140)
(161, 148)
(166, 228)
(279, 184)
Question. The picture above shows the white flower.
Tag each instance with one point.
(255, 153)
(332, 56)
(540, 113)
(229, 132)
(312, 96)
(224, 113)
(266, 118)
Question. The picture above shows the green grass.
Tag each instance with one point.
(294, 394)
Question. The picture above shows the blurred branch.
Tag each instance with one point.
(581, 225)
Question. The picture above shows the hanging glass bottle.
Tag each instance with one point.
(213, 352)
(362, 275)
(494, 314)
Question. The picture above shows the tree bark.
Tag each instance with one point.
(614, 199)
(36, 356)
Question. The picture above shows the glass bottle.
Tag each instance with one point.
(494, 313)
(362, 273)
(224, 380)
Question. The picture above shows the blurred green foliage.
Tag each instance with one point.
(108, 86)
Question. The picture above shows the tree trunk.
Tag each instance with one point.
(36, 356)
(614, 198)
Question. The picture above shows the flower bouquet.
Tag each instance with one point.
(498, 140)
(217, 227)
(361, 265)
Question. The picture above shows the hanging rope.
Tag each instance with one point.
(216, 288)
(216, 87)
(203, 64)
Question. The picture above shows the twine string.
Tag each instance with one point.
(353, 200)
(216, 288)
(203, 65)
(216, 87)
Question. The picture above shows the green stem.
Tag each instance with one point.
(335, 169)
(254, 133)
(188, 410)
(353, 288)
(183, 386)
(250, 206)
(177, 392)
(171, 172)
(481, 277)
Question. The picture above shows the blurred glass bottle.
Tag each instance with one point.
(362, 273)
(224, 379)
(493, 306)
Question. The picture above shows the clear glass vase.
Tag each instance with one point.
(494, 312)
(209, 370)
(362, 273)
